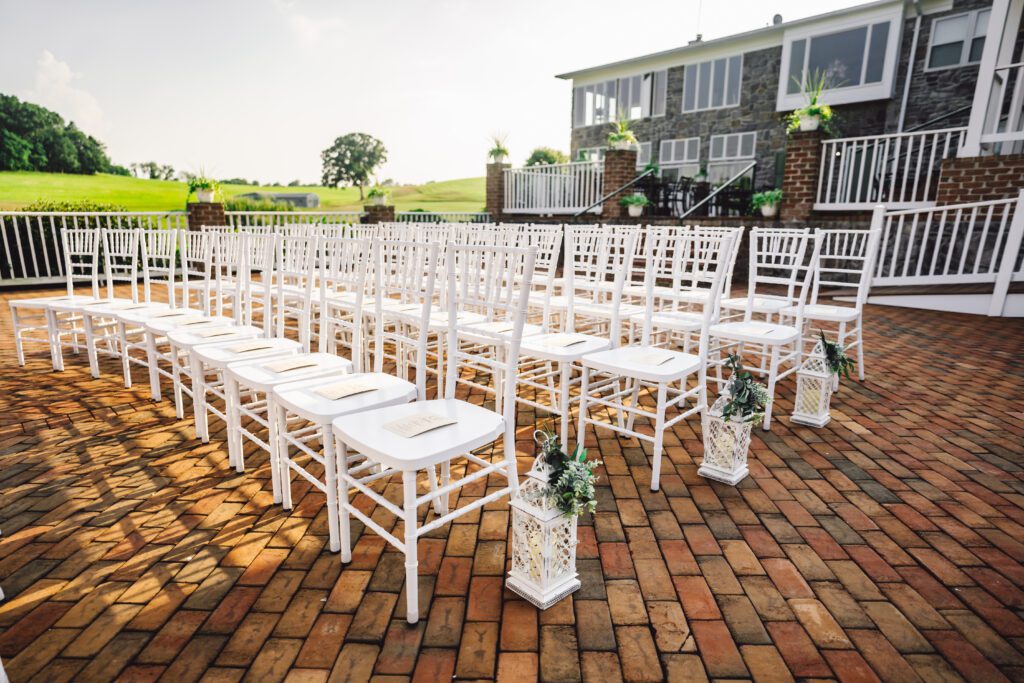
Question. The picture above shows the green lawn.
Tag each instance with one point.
(18, 189)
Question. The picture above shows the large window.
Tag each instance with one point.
(729, 154)
(634, 97)
(679, 158)
(713, 84)
(857, 60)
(643, 154)
(590, 154)
(958, 40)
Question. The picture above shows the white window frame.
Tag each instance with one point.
(739, 156)
(725, 84)
(640, 162)
(593, 154)
(679, 162)
(647, 108)
(969, 37)
(864, 92)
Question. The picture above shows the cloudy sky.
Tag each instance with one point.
(257, 88)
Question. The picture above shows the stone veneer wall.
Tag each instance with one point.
(979, 179)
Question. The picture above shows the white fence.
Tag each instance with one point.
(554, 188)
(240, 219)
(900, 170)
(1004, 125)
(31, 239)
(957, 244)
(443, 217)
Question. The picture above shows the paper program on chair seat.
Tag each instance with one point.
(257, 345)
(563, 340)
(650, 357)
(340, 390)
(289, 364)
(414, 425)
(214, 332)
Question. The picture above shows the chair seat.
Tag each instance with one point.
(640, 290)
(547, 346)
(365, 433)
(439, 318)
(111, 309)
(194, 319)
(73, 306)
(649, 363)
(256, 375)
(605, 310)
(681, 321)
(836, 314)
(761, 304)
(486, 332)
(755, 332)
(302, 398)
(189, 336)
(143, 315)
(220, 355)
(43, 302)
(693, 296)
(557, 303)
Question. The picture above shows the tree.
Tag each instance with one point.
(546, 155)
(33, 138)
(351, 160)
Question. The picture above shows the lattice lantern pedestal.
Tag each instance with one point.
(814, 386)
(726, 443)
(543, 542)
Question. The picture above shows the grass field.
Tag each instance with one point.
(18, 189)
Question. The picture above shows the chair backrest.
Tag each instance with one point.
(121, 259)
(196, 250)
(602, 258)
(405, 276)
(159, 261)
(777, 263)
(81, 248)
(258, 253)
(478, 280)
(731, 265)
(294, 270)
(344, 288)
(845, 262)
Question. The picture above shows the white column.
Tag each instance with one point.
(1005, 17)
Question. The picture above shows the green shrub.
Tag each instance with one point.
(67, 206)
(247, 204)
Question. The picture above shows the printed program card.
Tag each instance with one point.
(498, 327)
(650, 357)
(197, 320)
(404, 308)
(340, 390)
(214, 332)
(171, 314)
(564, 340)
(414, 425)
(255, 345)
(289, 364)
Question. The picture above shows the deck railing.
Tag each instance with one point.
(1004, 125)
(554, 188)
(240, 219)
(900, 170)
(443, 217)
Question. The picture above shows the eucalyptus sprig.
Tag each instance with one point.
(747, 398)
(572, 478)
(835, 355)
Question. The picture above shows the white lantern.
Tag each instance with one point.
(814, 385)
(726, 443)
(543, 542)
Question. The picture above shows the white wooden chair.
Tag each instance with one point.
(649, 365)
(196, 249)
(779, 259)
(473, 427)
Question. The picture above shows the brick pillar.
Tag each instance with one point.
(376, 213)
(205, 213)
(495, 203)
(800, 178)
(619, 169)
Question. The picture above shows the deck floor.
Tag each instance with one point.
(887, 545)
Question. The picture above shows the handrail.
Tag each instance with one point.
(718, 189)
(608, 196)
(947, 115)
(884, 136)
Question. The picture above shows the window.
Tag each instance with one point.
(713, 84)
(590, 154)
(634, 97)
(857, 59)
(679, 158)
(643, 156)
(959, 40)
(729, 154)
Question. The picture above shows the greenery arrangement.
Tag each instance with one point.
(651, 166)
(621, 134)
(812, 90)
(572, 476)
(835, 355)
(376, 191)
(766, 198)
(746, 397)
(201, 182)
(634, 200)
(351, 160)
(546, 155)
(498, 150)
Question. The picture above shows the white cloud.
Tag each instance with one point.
(306, 29)
(54, 89)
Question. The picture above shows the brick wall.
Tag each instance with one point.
(800, 179)
(495, 201)
(619, 169)
(978, 179)
(375, 213)
(205, 213)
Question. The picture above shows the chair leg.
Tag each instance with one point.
(581, 433)
(659, 436)
(53, 328)
(432, 479)
(446, 475)
(634, 399)
(565, 377)
(279, 456)
(122, 340)
(234, 422)
(341, 453)
(90, 346)
(860, 348)
(330, 469)
(199, 400)
(18, 346)
(151, 360)
(773, 371)
(411, 562)
(179, 405)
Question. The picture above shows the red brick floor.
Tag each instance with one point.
(888, 545)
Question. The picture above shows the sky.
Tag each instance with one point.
(258, 88)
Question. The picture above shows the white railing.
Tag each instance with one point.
(443, 217)
(554, 188)
(31, 244)
(1004, 125)
(971, 243)
(240, 219)
(899, 170)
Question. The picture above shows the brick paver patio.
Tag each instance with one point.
(888, 545)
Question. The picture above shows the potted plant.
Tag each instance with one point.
(635, 204)
(817, 378)
(727, 425)
(767, 202)
(621, 136)
(204, 188)
(558, 489)
(377, 195)
(814, 113)
(498, 150)
(702, 174)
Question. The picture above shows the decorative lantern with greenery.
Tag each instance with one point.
(558, 488)
(727, 425)
(817, 378)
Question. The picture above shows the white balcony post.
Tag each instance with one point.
(997, 48)
(1009, 259)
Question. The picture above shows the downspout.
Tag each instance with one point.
(910, 66)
